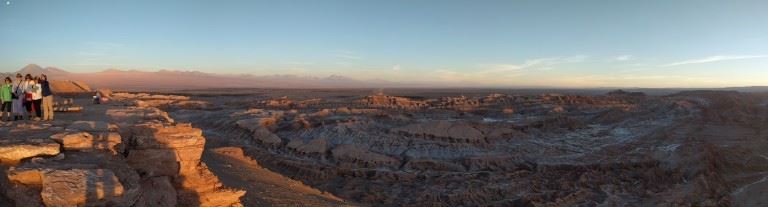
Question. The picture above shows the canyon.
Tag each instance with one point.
(397, 147)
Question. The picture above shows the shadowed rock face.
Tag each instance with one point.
(159, 191)
(621, 149)
(79, 187)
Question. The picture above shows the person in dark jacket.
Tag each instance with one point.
(47, 98)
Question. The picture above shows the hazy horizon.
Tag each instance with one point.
(656, 44)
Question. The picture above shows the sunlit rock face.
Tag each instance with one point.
(177, 147)
(16, 150)
(157, 146)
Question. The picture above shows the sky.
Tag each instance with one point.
(543, 43)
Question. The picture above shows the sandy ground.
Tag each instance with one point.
(264, 187)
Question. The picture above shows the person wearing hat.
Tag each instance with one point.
(17, 108)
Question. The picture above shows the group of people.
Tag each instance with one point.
(26, 98)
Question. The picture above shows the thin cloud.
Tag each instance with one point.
(623, 58)
(500, 74)
(396, 67)
(299, 63)
(539, 63)
(96, 45)
(346, 54)
(716, 58)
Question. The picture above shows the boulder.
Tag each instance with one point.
(160, 149)
(78, 187)
(84, 141)
(27, 181)
(15, 150)
(162, 136)
(132, 115)
(174, 150)
(25, 176)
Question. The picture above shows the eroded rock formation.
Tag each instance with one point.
(620, 149)
(133, 156)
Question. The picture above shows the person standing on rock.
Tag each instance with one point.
(47, 98)
(27, 99)
(37, 97)
(6, 97)
(17, 108)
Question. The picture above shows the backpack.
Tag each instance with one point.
(15, 94)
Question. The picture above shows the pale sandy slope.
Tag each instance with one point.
(264, 187)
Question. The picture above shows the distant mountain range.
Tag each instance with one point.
(170, 80)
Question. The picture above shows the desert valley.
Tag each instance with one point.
(391, 147)
(383, 103)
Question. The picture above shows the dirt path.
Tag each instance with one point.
(264, 187)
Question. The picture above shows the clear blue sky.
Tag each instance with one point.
(485, 43)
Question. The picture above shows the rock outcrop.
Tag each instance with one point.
(73, 179)
(164, 150)
(127, 116)
(80, 187)
(16, 150)
(85, 141)
(139, 157)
